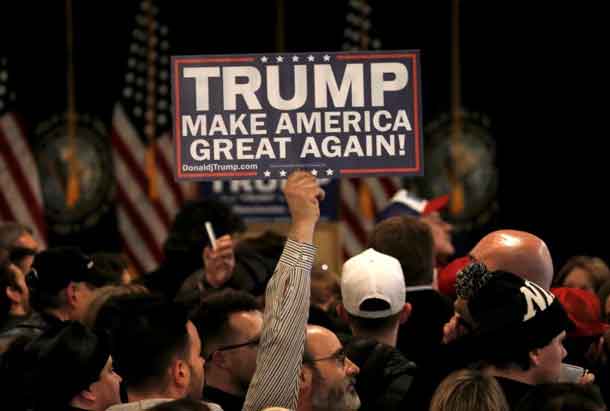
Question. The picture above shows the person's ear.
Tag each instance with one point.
(405, 313)
(72, 294)
(535, 357)
(181, 373)
(342, 313)
(88, 395)
(219, 359)
(306, 382)
(84, 399)
(13, 294)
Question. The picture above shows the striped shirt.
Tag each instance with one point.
(280, 354)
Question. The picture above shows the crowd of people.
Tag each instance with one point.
(259, 324)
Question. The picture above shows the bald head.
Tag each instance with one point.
(519, 252)
(317, 338)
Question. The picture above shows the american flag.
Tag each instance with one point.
(361, 199)
(148, 198)
(20, 194)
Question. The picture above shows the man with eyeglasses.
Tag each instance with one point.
(230, 325)
(328, 377)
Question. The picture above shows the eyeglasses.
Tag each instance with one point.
(31, 278)
(255, 341)
(339, 356)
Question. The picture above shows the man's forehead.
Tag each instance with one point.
(246, 319)
(322, 342)
(247, 323)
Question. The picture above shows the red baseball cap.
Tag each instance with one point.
(583, 308)
(405, 203)
(448, 274)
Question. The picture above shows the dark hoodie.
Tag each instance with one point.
(386, 376)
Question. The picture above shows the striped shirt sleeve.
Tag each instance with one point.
(280, 354)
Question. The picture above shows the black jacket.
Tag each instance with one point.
(385, 377)
(421, 336)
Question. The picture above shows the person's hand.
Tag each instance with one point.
(220, 263)
(587, 378)
(453, 329)
(303, 195)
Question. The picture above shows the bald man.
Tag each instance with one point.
(514, 251)
(518, 252)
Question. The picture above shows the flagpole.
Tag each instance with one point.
(456, 203)
(280, 32)
(72, 193)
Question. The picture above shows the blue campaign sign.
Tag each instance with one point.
(262, 200)
(262, 116)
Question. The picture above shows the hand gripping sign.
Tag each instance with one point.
(262, 116)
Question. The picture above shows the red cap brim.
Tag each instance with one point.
(436, 204)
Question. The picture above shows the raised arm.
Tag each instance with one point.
(280, 353)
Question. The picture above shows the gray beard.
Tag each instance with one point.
(334, 400)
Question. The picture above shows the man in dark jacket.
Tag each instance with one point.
(410, 241)
(373, 304)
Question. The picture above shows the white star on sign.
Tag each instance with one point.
(267, 173)
(295, 58)
(326, 57)
(264, 59)
(279, 59)
(314, 172)
(311, 58)
(329, 172)
(282, 173)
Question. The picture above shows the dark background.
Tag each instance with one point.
(536, 69)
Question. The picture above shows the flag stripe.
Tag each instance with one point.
(13, 161)
(351, 245)
(133, 218)
(143, 221)
(165, 184)
(15, 133)
(140, 203)
(134, 261)
(390, 185)
(5, 211)
(357, 230)
(126, 157)
(20, 183)
(134, 244)
(135, 151)
(165, 162)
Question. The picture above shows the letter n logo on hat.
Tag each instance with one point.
(535, 295)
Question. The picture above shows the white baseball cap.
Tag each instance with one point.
(372, 275)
